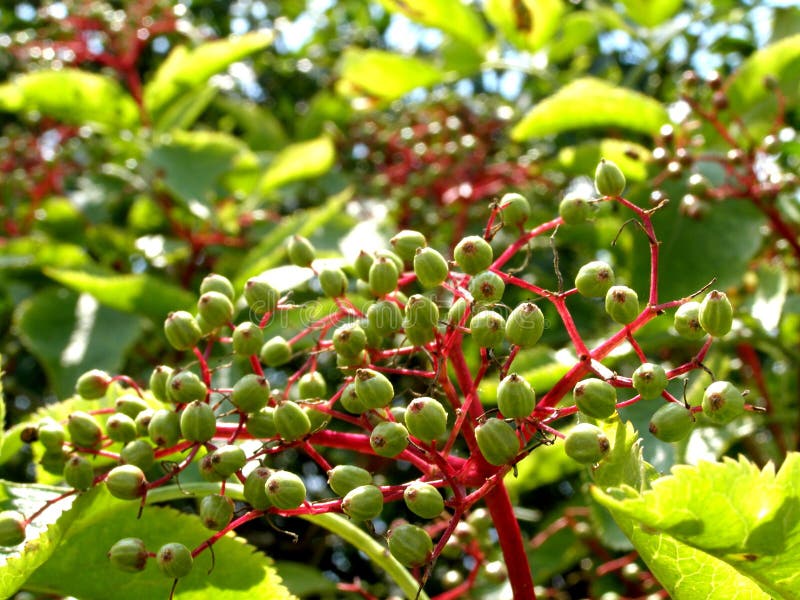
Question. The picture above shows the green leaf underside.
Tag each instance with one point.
(70, 333)
(451, 16)
(589, 103)
(384, 75)
(717, 530)
(298, 161)
(649, 13)
(140, 294)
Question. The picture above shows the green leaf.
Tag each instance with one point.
(139, 294)
(304, 580)
(718, 530)
(451, 16)
(71, 96)
(528, 24)
(587, 103)
(185, 70)
(384, 75)
(261, 128)
(2, 404)
(186, 108)
(770, 296)
(301, 160)
(649, 13)
(192, 162)
(578, 29)
(624, 464)
(100, 520)
(70, 333)
(632, 158)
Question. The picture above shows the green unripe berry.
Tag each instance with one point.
(574, 209)
(216, 511)
(373, 388)
(349, 340)
(362, 265)
(126, 482)
(456, 312)
(398, 413)
(363, 503)
(344, 478)
(301, 251)
(650, 380)
(421, 311)
(142, 421)
(586, 443)
(525, 325)
(594, 279)
(407, 242)
(83, 430)
(516, 399)
(262, 423)
(128, 554)
(138, 453)
(251, 393)
(184, 387)
(716, 314)
(672, 422)
(418, 335)
(275, 352)
(51, 435)
(383, 276)
(285, 490)
(319, 419)
(53, 461)
(121, 428)
(351, 401)
(595, 398)
(488, 328)
(130, 405)
(388, 439)
(333, 282)
(215, 309)
(218, 283)
(608, 179)
(159, 379)
(410, 545)
(426, 419)
(423, 500)
(182, 330)
(12, 528)
(388, 254)
(78, 473)
(473, 254)
(261, 296)
(254, 493)
(687, 321)
(487, 288)
(622, 304)
(291, 421)
(385, 317)
(228, 459)
(247, 339)
(430, 267)
(164, 428)
(722, 402)
(497, 441)
(93, 384)
(175, 560)
(207, 470)
(198, 423)
(514, 209)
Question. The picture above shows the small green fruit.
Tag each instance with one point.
(215, 309)
(488, 328)
(93, 384)
(12, 528)
(525, 325)
(672, 422)
(260, 295)
(158, 382)
(687, 321)
(53, 461)
(261, 424)
(423, 500)
(247, 339)
(344, 478)
(142, 421)
(516, 399)
(487, 288)
(218, 283)
(373, 388)
(716, 314)
(594, 279)
(722, 402)
(622, 304)
(385, 317)
(285, 490)
(164, 428)
(333, 282)
(182, 330)
(514, 209)
(291, 421)
(207, 471)
(198, 423)
(184, 387)
(78, 473)
(351, 402)
(312, 386)
(319, 419)
(426, 419)
(175, 560)
(216, 511)
(410, 545)
(301, 251)
(363, 503)
(138, 453)
(430, 267)
(388, 439)
(228, 459)
(595, 398)
(251, 393)
(121, 428)
(473, 254)
(126, 482)
(349, 340)
(254, 492)
(130, 405)
(84, 430)
(407, 242)
(362, 265)
(608, 179)
(586, 443)
(275, 352)
(456, 312)
(574, 209)
(421, 311)
(383, 276)
(51, 435)
(128, 554)
(650, 380)
(497, 441)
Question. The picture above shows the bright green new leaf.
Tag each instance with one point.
(781, 61)
(649, 13)
(71, 96)
(301, 160)
(589, 103)
(718, 530)
(577, 29)
(451, 16)
(630, 157)
(528, 24)
(384, 75)
(70, 333)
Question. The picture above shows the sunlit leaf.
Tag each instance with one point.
(384, 75)
(451, 16)
(632, 158)
(528, 24)
(301, 160)
(649, 13)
